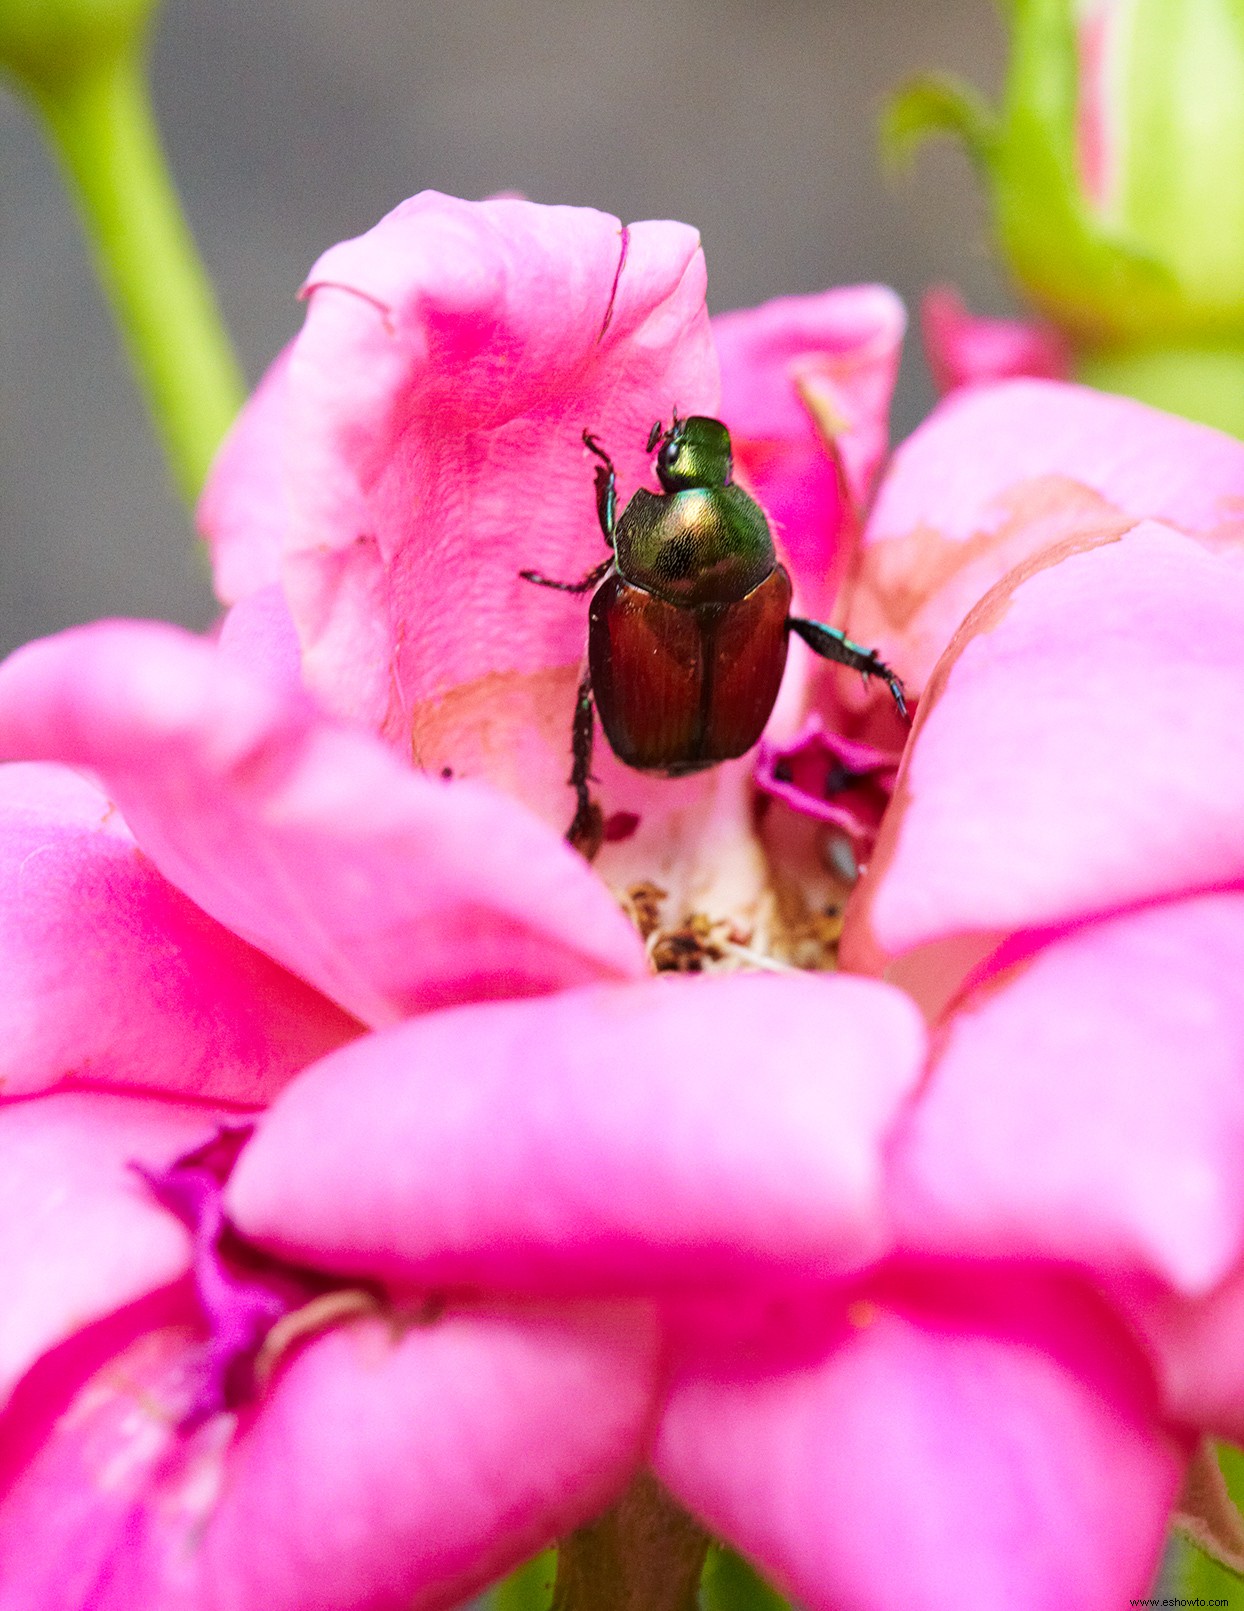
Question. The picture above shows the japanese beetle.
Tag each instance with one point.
(689, 624)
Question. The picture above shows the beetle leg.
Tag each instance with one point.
(596, 574)
(831, 644)
(587, 830)
(606, 487)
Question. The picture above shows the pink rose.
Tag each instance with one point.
(529, 1219)
(420, 443)
(214, 874)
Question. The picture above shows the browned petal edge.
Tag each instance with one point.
(900, 574)
(383, 308)
(469, 731)
(860, 951)
(1205, 1513)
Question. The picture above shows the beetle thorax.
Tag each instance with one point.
(706, 545)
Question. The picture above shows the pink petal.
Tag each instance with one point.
(1194, 1346)
(451, 359)
(955, 1457)
(675, 1131)
(1100, 108)
(387, 1470)
(1000, 474)
(1086, 1105)
(258, 635)
(109, 975)
(244, 511)
(80, 1234)
(965, 350)
(390, 892)
(1081, 753)
(843, 346)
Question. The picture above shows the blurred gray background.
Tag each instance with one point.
(293, 123)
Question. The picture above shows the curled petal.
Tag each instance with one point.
(109, 975)
(999, 475)
(1079, 753)
(806, 384)
(388, 891)
(432, 413)
(1085, 1104)
(945, 1455)
(390, 1468)
(625, 1138)
(500, 331)
(80, 1235)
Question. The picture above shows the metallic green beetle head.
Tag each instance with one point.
(694, 452)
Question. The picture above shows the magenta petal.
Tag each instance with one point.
(109, 975)
(844, 345)
(965, 350)
(240, 1295)
(677, 1131)
(999, 475)
(389, 891)
(835, 780)
(387, 1470)
(1082, 753)
(1087, 1106)
(80, 1235)
(954, 1461)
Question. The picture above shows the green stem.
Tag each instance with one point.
(100, 122)
(1203, 383)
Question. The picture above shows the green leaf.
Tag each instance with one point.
(730, 1584)
(1231, 1460)
(1203, 1560)
(530, 1588)
(1192, 1575)
(933, 104)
